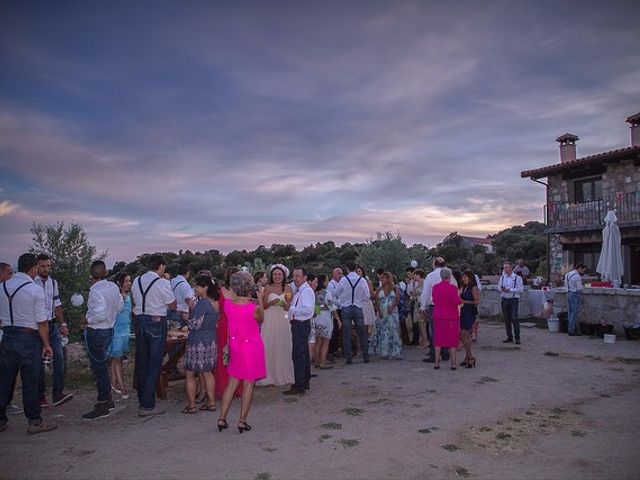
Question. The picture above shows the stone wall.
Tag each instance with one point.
(600, 305)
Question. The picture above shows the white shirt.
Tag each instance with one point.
(158, 297)
(303, 305)
(573, 281)
(182, 290)
(513, 283)
(331, 288)
(28, 303)
(51, 295)
(430, 280)
(103, 305)
(346, 291)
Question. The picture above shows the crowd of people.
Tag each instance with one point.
(276, 328)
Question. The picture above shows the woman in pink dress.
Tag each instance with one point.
(246, 350)
(220, 372)
(446, 317)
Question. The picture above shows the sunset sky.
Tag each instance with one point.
(195, 125)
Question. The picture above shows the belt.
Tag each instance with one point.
(575, 291)
(30, 331)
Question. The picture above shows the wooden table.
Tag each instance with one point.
(170, 365)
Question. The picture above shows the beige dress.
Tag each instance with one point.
(276, 335)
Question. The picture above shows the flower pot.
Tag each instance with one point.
(587, 328)
(553, 325)
(563, 318)
(603, 329)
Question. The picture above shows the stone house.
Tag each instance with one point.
(580, 191)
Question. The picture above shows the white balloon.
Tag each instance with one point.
(414, 264)
(77, 299)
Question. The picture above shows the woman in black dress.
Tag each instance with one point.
(470, 296)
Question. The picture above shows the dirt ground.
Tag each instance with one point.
(553, 408)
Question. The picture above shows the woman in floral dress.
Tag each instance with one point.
(386, 339)
(201, 349)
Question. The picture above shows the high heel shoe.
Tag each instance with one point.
(436, 366)
(453, 367)
(222, 424)
(471, 363)
(463, 363)
(243, 426)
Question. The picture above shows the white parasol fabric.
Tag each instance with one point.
(610, 263)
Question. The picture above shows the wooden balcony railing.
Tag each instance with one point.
(568, 216)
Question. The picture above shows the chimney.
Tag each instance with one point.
(634, 121)
(567, 147)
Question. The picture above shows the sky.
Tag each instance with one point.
(162, 126)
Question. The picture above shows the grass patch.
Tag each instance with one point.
(462, 472)
(354, 412)
(269, 449)
(503, 436)
(450, 447)
(487, 380)
(379, 401)
(551, 354)
(263, 476)
(348, 442)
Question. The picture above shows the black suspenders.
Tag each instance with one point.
(176, 285)
(10, 297)
(353, 288)
(144, 292)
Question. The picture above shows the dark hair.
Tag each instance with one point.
(258, 275)
(380, 271)
(3, 266)
(439, 262)
(580, 265)
(364, 272)
(42, 257)
(26, 262)
(213, 290)
(304, 271)
(419, 272)
(410, 269)
(458, 276)
(184, 268)
(120, 276)
(284, 276)
(155, 262)
(472, 278)
(226, 279)
(311, 277)
(98, 270)
(322, 281)
(351, 266)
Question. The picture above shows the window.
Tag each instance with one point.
(588, 190)
(590, 259)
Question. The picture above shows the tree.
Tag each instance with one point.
(71, 255)
(386, 251)
(527, 241)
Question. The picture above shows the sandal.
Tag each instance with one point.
(189, 410)
(208, 408)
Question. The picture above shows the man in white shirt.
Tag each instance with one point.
(300, 312)
(510, 286)
(57, 329)
(334, 343)
(152, 296)
(184, 296)
(426, 305)
(352, 293)
(25, 342)
(573, 282)
(103, 305)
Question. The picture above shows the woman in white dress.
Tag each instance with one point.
(276, 329)
(368, 311)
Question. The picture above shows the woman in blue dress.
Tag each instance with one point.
(386, 339)
(201, 352)
(470, 296)
(121, 335)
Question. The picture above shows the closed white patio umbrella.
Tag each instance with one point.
(610, 263)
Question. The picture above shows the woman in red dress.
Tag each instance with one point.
(446, 317)
(222, 329)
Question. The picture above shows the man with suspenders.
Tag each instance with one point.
(184, 296)
(24, 343)
(573, 282)
(510, 286)
(152, 296)
(57, 329)
(352, 293)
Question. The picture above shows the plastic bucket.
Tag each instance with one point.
(609, 338)
(553, 324)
